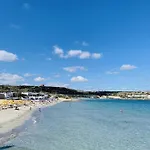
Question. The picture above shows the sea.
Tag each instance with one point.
(87, 125)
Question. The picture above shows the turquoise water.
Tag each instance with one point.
(88, 125)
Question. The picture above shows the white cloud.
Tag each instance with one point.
(80, 54)
(96, 55)
(76, 53)
(39, 79)
(127, 67)
(57, 84)
(15, 26)
(7, 78)
(112, 72)
(74, 68)
(28, 74)
(58, 51)
(26, 6)
(78, 79)
(85, 43)
(84, 55)
(7, 56)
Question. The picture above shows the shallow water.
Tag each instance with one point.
(88, 125)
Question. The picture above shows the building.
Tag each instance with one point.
(34, 96)
(6, 95)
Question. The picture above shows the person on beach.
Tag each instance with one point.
(39, 109)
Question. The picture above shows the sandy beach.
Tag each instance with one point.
(11, 119)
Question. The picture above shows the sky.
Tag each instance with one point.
(86, 45)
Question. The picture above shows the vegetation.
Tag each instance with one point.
(68, 93)
(54, 90)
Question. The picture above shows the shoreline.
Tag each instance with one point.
(128, 99)
(12, 119)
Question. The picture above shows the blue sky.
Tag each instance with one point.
(89, 45)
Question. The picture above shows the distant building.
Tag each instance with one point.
(6, 95)
(34, 96)
(114, 97)
(2, 96)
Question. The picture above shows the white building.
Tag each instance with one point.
(6, 95)
(144, 96)
(35, 96)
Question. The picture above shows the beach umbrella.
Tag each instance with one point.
(12, 102)
(5, 103)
